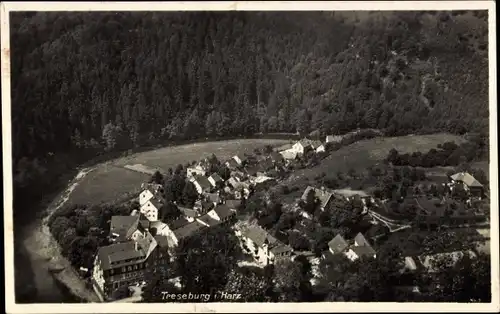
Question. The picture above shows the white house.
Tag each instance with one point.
(215, 180)
(151, 208)
(195, 171)
(333, 139)
(264, 248)
(150, 190)
(361, 248)
(302, 146)
(320, 149)
(239, 159)
(202, 184)
(220, 214)
(289, 154)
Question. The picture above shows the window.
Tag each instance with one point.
(124, 269)
(130, 268)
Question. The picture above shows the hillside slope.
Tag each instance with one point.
(110, 81)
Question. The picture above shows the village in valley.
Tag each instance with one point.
(248, 196)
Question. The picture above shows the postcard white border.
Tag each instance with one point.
(11, 307)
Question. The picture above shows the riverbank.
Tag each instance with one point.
(44, 252)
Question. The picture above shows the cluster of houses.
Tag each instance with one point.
(290, 152)
(141, 241)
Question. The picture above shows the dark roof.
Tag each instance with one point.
(361, 240)
(223, 211)
(162, 241)
(216, 177)
(156, 202)
(305, 142)
(363, 250)
(260, 237)
(252, 170)
(233, 204)
(209, 221)
(117, 252)
(324, 196)
(204, 205)
(316, 144)
(188, 212)
(178, 223)
(188, 230)
(124, 226)
(338, 244)
(212, 197)
(231, 163)
(203, 182)
(275, 156)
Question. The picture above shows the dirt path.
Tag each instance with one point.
(44, 252)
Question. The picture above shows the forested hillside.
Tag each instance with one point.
(108, 81)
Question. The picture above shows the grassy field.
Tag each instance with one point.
(111, 180)
(363, 154)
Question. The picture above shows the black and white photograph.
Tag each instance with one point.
(290, 155)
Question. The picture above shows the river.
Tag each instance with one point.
(36, 250)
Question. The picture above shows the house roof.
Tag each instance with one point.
(121, 252)
(212, 197)
(316, 144)
(223, 211)
(233, 204)
(350, 193)
(305, 142)
(148, 243)
(188, 230)
(361, 240)
(289, 154)
(178, 223)
(275, 156)
(209, 221)
(231, 163)
(338, 244)
(324, 196)
(203, 182)
(363, 250)
(188, 212)
(466, 178)
(154, 188)
(204, 205)
(216, 177)
(279, 247)
(157, 202)
(124, 226)
(258, 235)
(252, 170)
(162, 241)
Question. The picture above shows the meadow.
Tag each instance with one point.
(362, 154)
(111, 180)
